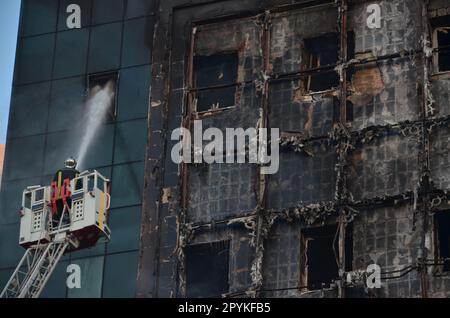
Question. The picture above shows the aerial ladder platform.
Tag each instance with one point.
(83, 224)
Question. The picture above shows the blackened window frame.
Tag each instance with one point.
(320, 69)
(311, 62)
(191, 87)
(229, 87)
(105, 77)
(307, 233)
(189, 112)
(439, 25)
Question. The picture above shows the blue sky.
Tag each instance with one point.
(9, 21)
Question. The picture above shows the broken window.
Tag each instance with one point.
(323, 51)
(207, 269)
(319, 261)
(103, 93)
(215, 78)
(317, 52)
(441, 42)
(442, 235)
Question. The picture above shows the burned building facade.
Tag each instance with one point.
(360, 93)
(361, 107)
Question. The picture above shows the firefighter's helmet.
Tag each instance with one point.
(70, 163)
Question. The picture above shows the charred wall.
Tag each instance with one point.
(367, 152)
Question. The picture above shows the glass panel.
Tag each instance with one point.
(66, 107)
(91, 278)
(24, 158)
(105, 171)
(5, 275)
(120, 275)
(281, 264)
(10, 250)
(60, 146)
(125, 229)
(107, 11)
(130, 141)
(38, 16)
(231, 190)
(100, 150)
(306, 173)
(128, 188)
(313, 118)
(97, 250)
(137, 8)
(104, 47)
(35, 59)
(85, 6)
(67, 144)
(137, 41)
(56, 286)
(29, 110)
(134, 86)
(71, 50)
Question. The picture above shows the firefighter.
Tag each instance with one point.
(61, 194)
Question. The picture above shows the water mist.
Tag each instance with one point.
(98, 105)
